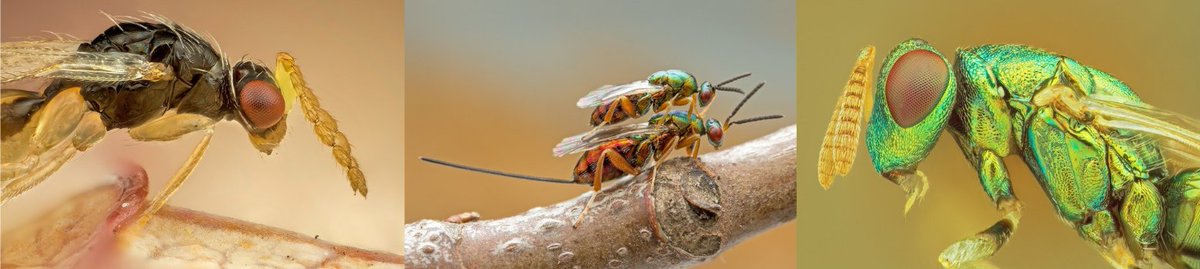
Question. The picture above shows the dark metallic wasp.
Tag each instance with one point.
(159, 80)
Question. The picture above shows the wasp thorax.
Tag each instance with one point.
(915, 85)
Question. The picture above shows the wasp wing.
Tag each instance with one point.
(60, 59)
(601, 135)
(1178, 135)
(608, 93)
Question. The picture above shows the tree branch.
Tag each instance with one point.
(690, 213)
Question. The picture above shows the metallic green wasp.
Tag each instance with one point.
(1124, 174)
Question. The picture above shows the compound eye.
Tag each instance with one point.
(715, 132)
(914, 86)
(261, 104)
(707, 93)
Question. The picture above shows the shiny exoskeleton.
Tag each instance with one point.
(204, 83)
(677, 88)
(1113, 185)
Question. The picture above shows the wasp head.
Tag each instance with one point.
(715, 132)
(259, 104)
(917, 93)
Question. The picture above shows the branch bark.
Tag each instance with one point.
(91, 230)
(691, 212)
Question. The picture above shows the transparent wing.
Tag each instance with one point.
(1179, 135)
(59, 59)
(608, 93)
(601, 135)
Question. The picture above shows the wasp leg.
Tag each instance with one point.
(660, 156)
(995, 180)
(55, 132)
(692, 143)
(91, 130)
(617, 161)
(36, 174)
(169, 127)
(625, 105)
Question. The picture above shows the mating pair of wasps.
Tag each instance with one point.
(156, 78)
(611, 151)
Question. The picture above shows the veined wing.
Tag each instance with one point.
(60, 59)
(601, 135)
(1179, 135)
(608, 93)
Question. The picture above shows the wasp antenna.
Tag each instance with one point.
(729, 89)
(496, 173)
(731, 80)
(743, 102)
(323, 124)
(754, 119)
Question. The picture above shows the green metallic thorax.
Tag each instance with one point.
(1086, 172)
(680, 122)
(679, 84)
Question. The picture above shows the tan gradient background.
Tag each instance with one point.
(352, 56)
(859, 222)
(495, 85)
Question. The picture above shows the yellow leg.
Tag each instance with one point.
(171, 126)
(617, 161)
(175, 182)
(624, 104)
(58, 156)
(702, 112)
(55, 133)
(692, 143)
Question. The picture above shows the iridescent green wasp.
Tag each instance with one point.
(661, 90)
(1124, 174)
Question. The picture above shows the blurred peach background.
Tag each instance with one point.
(494, 84)
(859, 222)
(352, 56)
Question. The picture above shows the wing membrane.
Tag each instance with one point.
(60, 59)
(608, 93)
(601, 135)
(1178, 134)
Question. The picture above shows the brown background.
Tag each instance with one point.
(494, 84)
(352, 56)
(859, 222)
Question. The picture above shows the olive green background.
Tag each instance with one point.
(859, 222)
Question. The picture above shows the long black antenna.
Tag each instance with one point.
(743, 102)
(497, 173)
(727, 81)
(754, 119)
(729, 89)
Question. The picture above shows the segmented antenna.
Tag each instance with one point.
(754, 119)
(841, 139)
(497, 173)
(743, 102)
(731, 80)
(324, 125)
